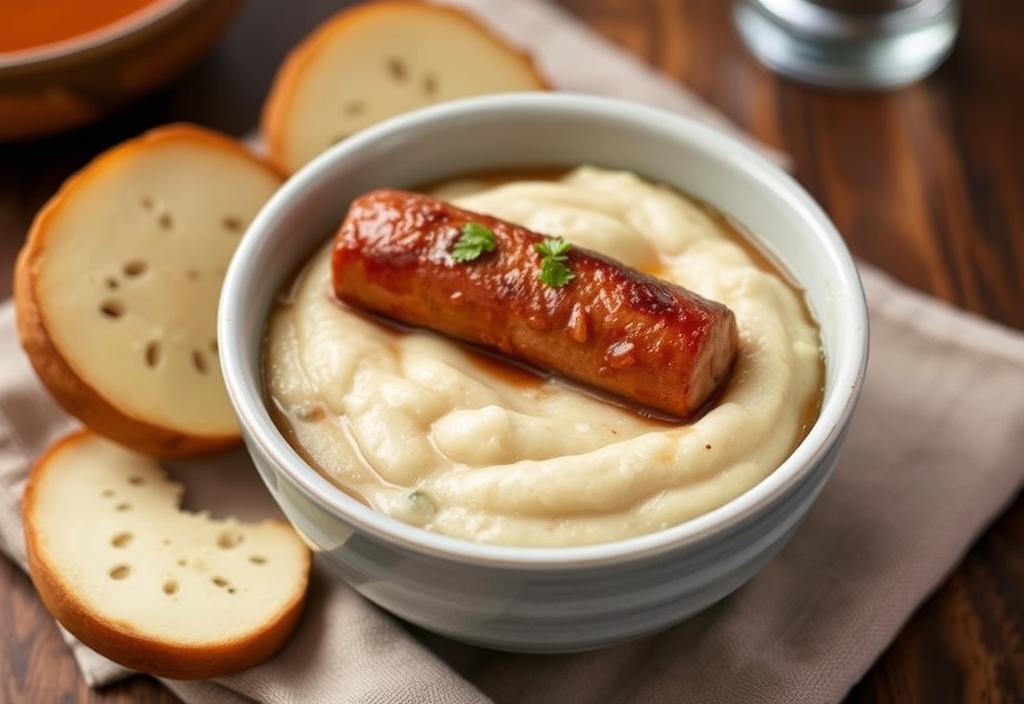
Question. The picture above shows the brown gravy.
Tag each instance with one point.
(513, 374)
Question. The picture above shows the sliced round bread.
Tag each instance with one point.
(377, 60)
(117, 286)
(156, 589)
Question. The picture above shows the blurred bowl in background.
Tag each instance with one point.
(61, 85)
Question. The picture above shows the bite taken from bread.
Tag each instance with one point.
(380, 59)
(116, 288)
(154, 588)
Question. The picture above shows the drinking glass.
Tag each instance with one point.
(849, 43)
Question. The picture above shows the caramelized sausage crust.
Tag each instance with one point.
(612, 327)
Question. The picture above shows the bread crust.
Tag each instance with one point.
(122, 644)
(54, 369)
(275, 109)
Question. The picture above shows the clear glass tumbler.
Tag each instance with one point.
(850, 43)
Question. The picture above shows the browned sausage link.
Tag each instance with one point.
(613, 327)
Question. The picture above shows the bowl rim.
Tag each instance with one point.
(264, 437)
(121, 28)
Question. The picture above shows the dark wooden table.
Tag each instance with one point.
(927, 183)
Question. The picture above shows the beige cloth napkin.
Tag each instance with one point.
(934, 453)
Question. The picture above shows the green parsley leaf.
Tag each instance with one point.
(554, 252)
(553, 248)
(555, 274)
(474, 241)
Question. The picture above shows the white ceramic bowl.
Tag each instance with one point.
(544, 599)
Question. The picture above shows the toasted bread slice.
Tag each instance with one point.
(377, 60)
(156, 589)
(117, 287)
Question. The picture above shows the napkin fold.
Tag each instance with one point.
(933, 455)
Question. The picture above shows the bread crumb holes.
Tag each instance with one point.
(231, 223)
(170, 587)
(199, 361)
(430, 85)
(121, 540)
(112, 308)
(229, 539)
(122, 507)
(135, 480)
(165, 221)
(134, 267)
(257, 559)
(396, 67)
(120, 571)
(152, 354)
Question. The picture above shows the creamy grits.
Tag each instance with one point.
(424, 429)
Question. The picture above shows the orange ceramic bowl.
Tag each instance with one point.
(62, 85)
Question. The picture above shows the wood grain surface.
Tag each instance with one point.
(926, 183)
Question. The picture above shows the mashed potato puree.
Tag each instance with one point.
(418, 427)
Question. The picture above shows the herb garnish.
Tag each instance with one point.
(553, 270)
(474, 241)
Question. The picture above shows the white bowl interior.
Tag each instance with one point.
(521, 130)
